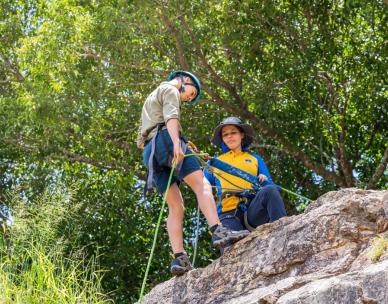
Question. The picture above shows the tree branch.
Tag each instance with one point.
(294, 151)
(19, 144)
(91, 54)
(346, 168)
(341, 155)
(330, 87)
(82, 159)
(122, 144)
(357, 156)
(181, 59)
(298, 43)
(197, 49)
(65, 154)
(379, 171)
(13, 69)
(5, 82)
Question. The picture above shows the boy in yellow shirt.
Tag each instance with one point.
(237, 210)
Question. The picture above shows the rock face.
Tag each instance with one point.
(320, 256)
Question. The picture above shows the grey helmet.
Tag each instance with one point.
(247, 129)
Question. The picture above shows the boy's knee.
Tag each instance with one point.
(176, 211)
(270, 190)
(175, 206)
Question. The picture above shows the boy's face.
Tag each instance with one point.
(232, 137)
(190, 91)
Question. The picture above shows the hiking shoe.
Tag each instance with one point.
(180, 265)
(223, 236)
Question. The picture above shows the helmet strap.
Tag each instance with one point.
(183, 84)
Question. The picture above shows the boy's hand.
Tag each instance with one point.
(262, 178)
(178, 153)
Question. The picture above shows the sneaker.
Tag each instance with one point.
(180, 265)
(223, 236)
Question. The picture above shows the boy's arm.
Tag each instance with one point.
(264, 170)
(173, 130)
(170, 103)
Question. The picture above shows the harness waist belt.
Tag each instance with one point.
(162, 127)
(230, 194)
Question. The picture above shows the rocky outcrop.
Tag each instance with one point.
(320, 256)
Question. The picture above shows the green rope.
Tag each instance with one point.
(196, 238)
(296, 194)
(156, 234)
(158, 225)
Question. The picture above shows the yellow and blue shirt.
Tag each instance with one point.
(225, 182)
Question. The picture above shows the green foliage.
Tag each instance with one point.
(308, 75)
(35, 276)
(42, 264)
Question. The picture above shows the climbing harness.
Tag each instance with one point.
(223, 166)
(151, 162)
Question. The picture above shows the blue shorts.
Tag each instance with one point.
(164, 149)
(267, 206)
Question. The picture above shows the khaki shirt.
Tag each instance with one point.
(160, 106)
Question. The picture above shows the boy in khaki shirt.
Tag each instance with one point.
(160, 136)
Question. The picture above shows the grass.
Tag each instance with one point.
(379, 247)
(43, 263)
(38, 276)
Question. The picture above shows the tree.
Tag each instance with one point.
(309, 76)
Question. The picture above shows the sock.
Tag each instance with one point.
(213, 228)
(177, 255)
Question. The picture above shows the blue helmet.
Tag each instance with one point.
(196, 83)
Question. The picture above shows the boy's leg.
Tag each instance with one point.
(204, 196)
(221, 236)
(267, 206)
(175, 218)
(181, 263)
(231, 221)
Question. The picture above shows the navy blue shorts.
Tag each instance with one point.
(266, 207)
(164, 150)
(232, 220)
